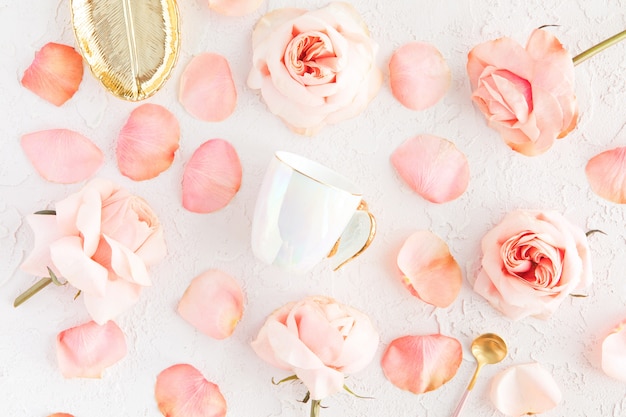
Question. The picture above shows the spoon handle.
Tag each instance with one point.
(459, 407)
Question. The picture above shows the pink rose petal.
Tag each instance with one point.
(86, 350)
(234, 7)
(213, 304)
(421, 363)
(419, 75)
(614, 353)
(433, 167)
(524, 389)
(55, 74)
(212, 177)
(60, 415)
(207, 90)
(48, 151)
(606, 173)
(182, 391)
(430, 271)
(147, 142)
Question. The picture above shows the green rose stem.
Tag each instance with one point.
(38, 286)
(585, 55)
(315, 408)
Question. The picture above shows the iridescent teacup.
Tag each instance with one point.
(306, 212)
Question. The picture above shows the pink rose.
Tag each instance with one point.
(531, 262)
(314, 67)
(527, 95)
(102, 241)
(319, 340)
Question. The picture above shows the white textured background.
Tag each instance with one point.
(568, 345)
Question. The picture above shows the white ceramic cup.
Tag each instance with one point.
(306, 212)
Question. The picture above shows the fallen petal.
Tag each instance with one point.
(421, 363)
(213, 304)
(614, 353)
(524, 389)
(212, 177)
(55, 73)
(182, 391)
(606, 173)
(433, 167)
(430, 272)
(234, 7)
(60, 415)
(147, 142)
(207, 90)
(48, 151)
(419, 75)
(86, 350)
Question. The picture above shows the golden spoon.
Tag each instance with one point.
(488, 348)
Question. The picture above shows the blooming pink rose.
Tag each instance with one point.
(531, 262)
(319, 340)
(102, 241)
(527, 95)
(314, 67)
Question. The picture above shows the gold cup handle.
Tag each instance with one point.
(344, 249)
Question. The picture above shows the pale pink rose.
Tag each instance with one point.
(527, 95)
(314, 67)
(320, 340)
(531, 262)
(102, 241)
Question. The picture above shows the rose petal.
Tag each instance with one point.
(419, 75)
(433, 167)
(120, 295)
(213, 304)
(207, 90)
(86, 350)
(524, 389)
(234, 7)
(614, 353)
(421, 363)
(55, 73)
(60, 415)
(182, 391)
(47, 150)
(212, 177)
(430, 271)
(606, 173)
(147, 142)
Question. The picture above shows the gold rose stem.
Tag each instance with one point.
(583, 56)
(315, 408)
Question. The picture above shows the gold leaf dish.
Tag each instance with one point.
(131, 46)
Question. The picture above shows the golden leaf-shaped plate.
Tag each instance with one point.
(131, 46)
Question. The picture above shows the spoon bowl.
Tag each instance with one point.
(488, 348)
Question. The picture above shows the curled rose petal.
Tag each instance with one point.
(419, 75)
(433, 167)
(48, 151)
(147, 142)
(213, 304)
(606, 173)
(207, 90)
(524, 389)
(614, 353)
(430, 271)
(55, 74)
(212, 177)
(234, 7)
(421, 363)
(182, 391)
(86, 350)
